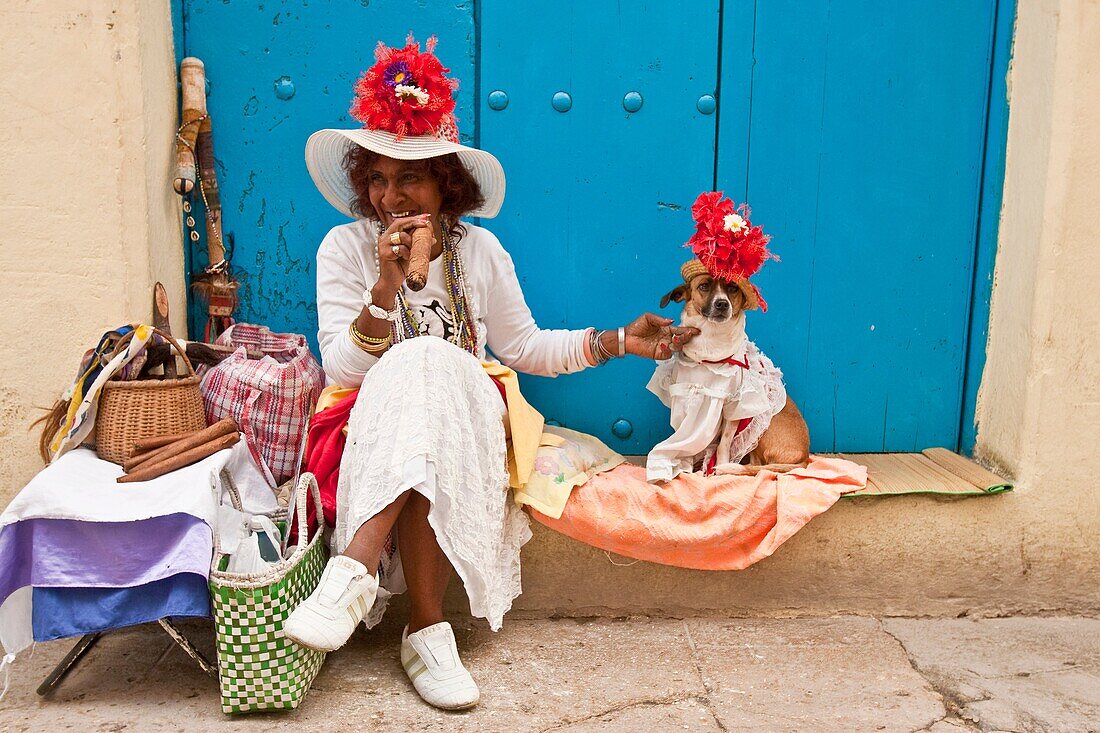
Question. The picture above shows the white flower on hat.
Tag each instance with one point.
(406, 90)
(734, 223)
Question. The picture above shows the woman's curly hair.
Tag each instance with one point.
(457, 188)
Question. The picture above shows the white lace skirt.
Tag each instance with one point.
(429, 418)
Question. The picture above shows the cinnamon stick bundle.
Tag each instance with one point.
(153, 469)
(147, 444)
(421, 254)
(217, 430)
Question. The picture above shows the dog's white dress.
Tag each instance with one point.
(703, 398)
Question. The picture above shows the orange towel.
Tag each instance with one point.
(702, 522)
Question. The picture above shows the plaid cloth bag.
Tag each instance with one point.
(269, 385)
(259, 669)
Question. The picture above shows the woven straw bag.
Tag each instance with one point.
(259, 669)
(146, 408)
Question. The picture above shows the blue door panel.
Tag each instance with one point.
(864, 157)
(595, 214)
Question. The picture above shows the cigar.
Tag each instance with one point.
(217, 430)
(147, 444)
(418, 259)
(153, 469)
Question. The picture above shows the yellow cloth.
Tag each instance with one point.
(524, 426)
(524, 423)
(330, 396)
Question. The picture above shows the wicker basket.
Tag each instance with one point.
(146, 408)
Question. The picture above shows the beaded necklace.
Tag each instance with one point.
(454, 276)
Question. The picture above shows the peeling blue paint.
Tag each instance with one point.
(247, 191)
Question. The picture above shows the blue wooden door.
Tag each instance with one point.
(857, 132)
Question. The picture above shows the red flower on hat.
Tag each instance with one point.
(406, 92)
(730, 246)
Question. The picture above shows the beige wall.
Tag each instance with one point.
(89, 222)
(87, 217)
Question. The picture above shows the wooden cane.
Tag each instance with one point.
(210, 196)
(216, 286)
(193, 84)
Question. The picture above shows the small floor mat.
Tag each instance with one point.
(933, 471)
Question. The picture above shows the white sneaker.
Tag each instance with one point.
(326, 620)
(430, 658)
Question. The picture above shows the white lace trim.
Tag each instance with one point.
(428, 410)
(768, 377)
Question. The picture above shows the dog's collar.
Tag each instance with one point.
(728, 360)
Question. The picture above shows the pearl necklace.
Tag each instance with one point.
(454, 275)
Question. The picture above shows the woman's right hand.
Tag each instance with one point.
(393, 253)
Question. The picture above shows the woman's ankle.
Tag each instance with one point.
(423, 622)
(363, 557)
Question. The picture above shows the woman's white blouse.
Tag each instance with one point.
(345, 269)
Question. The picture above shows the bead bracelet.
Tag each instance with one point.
(369, 344)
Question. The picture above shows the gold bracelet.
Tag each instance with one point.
(364, 338)
(369, 344)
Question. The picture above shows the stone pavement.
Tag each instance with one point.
(842, 673)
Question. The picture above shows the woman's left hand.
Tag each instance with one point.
(654, 337)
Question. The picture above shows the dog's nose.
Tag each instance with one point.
(722, 305)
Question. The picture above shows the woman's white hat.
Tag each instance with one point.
(325, 152)
(406, 104)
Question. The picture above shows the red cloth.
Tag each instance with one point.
(324, 447)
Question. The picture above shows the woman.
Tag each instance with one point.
(425, 457)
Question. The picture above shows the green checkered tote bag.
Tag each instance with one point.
(260, 670)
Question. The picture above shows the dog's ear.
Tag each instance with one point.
(678, 294)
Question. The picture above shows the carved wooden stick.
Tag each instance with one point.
(159, 468)
(217, 430)
(193, 83)
(161, 321)
(214, 246)
(419, 258)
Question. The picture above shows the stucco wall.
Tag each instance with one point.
(90, 223)
(88, 218)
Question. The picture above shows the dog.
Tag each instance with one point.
(717, 309)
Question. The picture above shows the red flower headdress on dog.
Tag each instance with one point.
(406, 92)
(727, 245)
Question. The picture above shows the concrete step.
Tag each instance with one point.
(899, 555)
